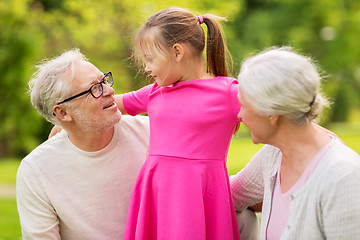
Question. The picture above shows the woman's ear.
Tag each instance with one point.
(61, 113)
(274, 119)
(178, 51)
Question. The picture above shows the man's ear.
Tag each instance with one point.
(178, 51)
(61, 113)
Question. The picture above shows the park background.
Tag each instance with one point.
(31, 30)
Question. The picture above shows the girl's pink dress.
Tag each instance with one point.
(182, 191)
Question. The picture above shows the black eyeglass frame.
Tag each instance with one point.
(111, 83)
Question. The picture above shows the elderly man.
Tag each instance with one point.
(77, 185)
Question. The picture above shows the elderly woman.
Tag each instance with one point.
(308, 180)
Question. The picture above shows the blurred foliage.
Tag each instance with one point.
(327, 30)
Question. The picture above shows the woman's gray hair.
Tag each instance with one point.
(278, 81)
(52, 82)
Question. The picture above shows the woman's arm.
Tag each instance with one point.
(247, 186)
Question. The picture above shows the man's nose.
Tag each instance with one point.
(107, 90)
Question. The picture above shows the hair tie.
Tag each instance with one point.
(201, 19)
(312, 102)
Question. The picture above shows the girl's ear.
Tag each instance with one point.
(61, 113)
(178, 52)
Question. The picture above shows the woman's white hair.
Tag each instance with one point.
(278, 81)
(51, 82)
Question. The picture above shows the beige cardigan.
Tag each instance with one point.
(326, 207)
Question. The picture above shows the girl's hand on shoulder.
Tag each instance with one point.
(55, 130)
(327, 131)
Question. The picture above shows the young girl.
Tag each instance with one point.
(182, 191)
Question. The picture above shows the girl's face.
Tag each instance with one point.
(259, 126)
(164, 69)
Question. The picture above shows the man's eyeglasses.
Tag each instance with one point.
(96, 90)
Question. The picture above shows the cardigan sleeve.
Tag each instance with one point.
(247, 186)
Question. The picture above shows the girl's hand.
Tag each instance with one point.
(55, 130)
(327, 131)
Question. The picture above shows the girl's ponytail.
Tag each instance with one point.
(216, 49)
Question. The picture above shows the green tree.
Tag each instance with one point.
(328, 30)
(19, 124)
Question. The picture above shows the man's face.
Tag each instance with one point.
(88, 113)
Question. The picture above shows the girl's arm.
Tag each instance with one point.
(120, 103)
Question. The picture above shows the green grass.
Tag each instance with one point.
(240, 152)
(9, 220)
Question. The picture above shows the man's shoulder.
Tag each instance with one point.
(51, 147)
(133, 128)
(138, 121)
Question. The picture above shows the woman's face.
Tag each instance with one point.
(259, 125)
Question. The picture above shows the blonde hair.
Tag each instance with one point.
(50, 83)
(176, 25)
(282, 82)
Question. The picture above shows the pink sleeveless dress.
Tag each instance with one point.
(182, 191)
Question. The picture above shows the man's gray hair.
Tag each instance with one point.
(51, 82)
(279, 81)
